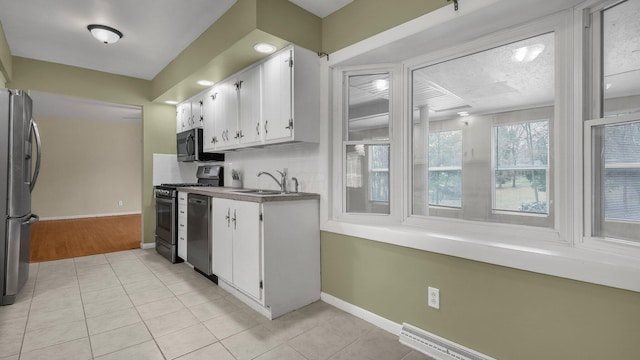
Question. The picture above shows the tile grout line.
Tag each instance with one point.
(33, 292)
(138, 312)
(86, 323)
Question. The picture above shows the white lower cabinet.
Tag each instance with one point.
(236, 244)
(268, 254)
(182, 225)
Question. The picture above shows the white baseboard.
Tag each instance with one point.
(366, 315)
(146, 246)
(71, 217)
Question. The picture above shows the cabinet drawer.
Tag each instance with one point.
(182, 212)
(182, 223)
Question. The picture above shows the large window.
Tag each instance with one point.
(615, 126)
(445, 168)
(366, 144)
(521, 158)
(485, 122)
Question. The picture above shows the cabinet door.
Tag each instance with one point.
(209, 138)
(277, 97)
(187, 121)
(197, 116)
(222, 239)
(226, 115)
(180, 121)
(249, 93)
(246, 247)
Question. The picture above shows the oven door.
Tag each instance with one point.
(166, 218)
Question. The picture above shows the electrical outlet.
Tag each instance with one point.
(434, 297)
(120, 203)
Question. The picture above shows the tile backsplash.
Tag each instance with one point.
(300, 159)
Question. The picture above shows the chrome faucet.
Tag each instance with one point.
(283, 179)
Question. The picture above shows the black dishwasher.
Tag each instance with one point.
(198, 233)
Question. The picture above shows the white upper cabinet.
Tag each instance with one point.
(183, 117)
(274, 101)
(209, 136)
(225, 114)
(276, 96)
(291, 96)
(197, 114)
(249, 124)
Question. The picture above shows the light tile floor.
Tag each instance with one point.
(136, 305)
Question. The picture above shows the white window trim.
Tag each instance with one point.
(563, 251)
(338, 203)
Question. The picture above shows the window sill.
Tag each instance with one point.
(540, 251)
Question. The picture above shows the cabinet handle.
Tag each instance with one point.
(234, 219)
(240, 134)
(237, 135)
(213, 96)
(258, 128)
(265, 126)
(201, 118)
(228, 216)
(214, 139)
(290, 127)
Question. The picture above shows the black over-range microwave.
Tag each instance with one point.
(189, 147)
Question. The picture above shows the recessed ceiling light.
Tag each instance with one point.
(205, 82)
(381, 84)
(171, 102)
(104, 34)
(264, 48)
(463, 113)
(527, 53)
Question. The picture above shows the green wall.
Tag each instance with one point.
(6, 65)
(362, 19)
(158, 120)
(502, 312)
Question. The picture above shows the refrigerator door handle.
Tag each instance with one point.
(32, 219)
(36, 171)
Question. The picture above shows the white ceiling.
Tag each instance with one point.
(321, 8)
(155, 31)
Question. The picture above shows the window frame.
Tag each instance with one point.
(535, 227)
(494, 168)
(340, 136)
(563, 251)
(451, 168)
(591, 115)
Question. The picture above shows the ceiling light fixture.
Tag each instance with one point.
(171, 102)
(264, 48)
(463, 113)
(381, 84)
(104, 34)
(205, 82)
(527, 53)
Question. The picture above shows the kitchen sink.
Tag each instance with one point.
(258, 192)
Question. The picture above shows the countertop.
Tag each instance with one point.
(242, 195)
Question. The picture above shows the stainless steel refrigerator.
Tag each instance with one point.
(17, 179)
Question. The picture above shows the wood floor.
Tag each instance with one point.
(61, 239)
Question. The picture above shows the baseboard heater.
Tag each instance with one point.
(435, 346)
